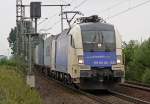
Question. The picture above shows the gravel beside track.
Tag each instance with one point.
(53, 93)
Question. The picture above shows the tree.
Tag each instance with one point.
(12, 39)
(137, 61)
(129, 50)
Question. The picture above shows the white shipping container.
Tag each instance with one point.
(47, 51)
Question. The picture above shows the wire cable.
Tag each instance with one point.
(130, 8)
(72, 10)
(42, 21)
(76, 7)
(113, 6)
(52, 26)
(69, 3)
(55, 16)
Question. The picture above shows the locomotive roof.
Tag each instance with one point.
(96, 26)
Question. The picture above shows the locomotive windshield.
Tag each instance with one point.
(98, 40)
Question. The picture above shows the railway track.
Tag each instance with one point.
(136, 85)
(129, 98)
(114, 97)
(111, 98)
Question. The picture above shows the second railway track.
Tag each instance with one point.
(136, 85)
(129, 98)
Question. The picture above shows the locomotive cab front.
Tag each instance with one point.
(100, 63)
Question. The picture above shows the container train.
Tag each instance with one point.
(88, 55)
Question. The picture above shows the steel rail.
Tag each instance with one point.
(129, 98)
(138, 83)
(137, 86)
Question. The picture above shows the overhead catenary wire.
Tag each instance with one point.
(56, 23)
(114, 6)
(117, 14)
(59, 13)
(42, 21)
(130, 8)
(63, 1)
(76, 7)
(50, 18)
(71, 1)
(79, 5)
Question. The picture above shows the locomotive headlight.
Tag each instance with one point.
(119, 59)
(80, 60)
(99, 45)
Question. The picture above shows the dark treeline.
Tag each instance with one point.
(137, 61)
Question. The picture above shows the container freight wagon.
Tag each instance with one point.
(89, 55)
(39, 53)
(49, 52)
(43, 53)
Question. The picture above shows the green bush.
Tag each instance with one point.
(134, 72)
(146, 76)
(14, 63)
(13, 89)
(137, 58)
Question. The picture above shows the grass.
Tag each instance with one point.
(13, 88)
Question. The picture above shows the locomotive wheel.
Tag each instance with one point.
(64, 78)
(69, 82)
(61, 77)
(48, 71)
(52, 74)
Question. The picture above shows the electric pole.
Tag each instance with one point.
(62, 26)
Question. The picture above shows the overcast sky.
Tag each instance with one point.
(134, 24)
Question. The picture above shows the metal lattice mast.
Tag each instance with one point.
(20, 13)
(23, 30)
(18, 18)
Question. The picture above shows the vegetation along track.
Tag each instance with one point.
(109, 98)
